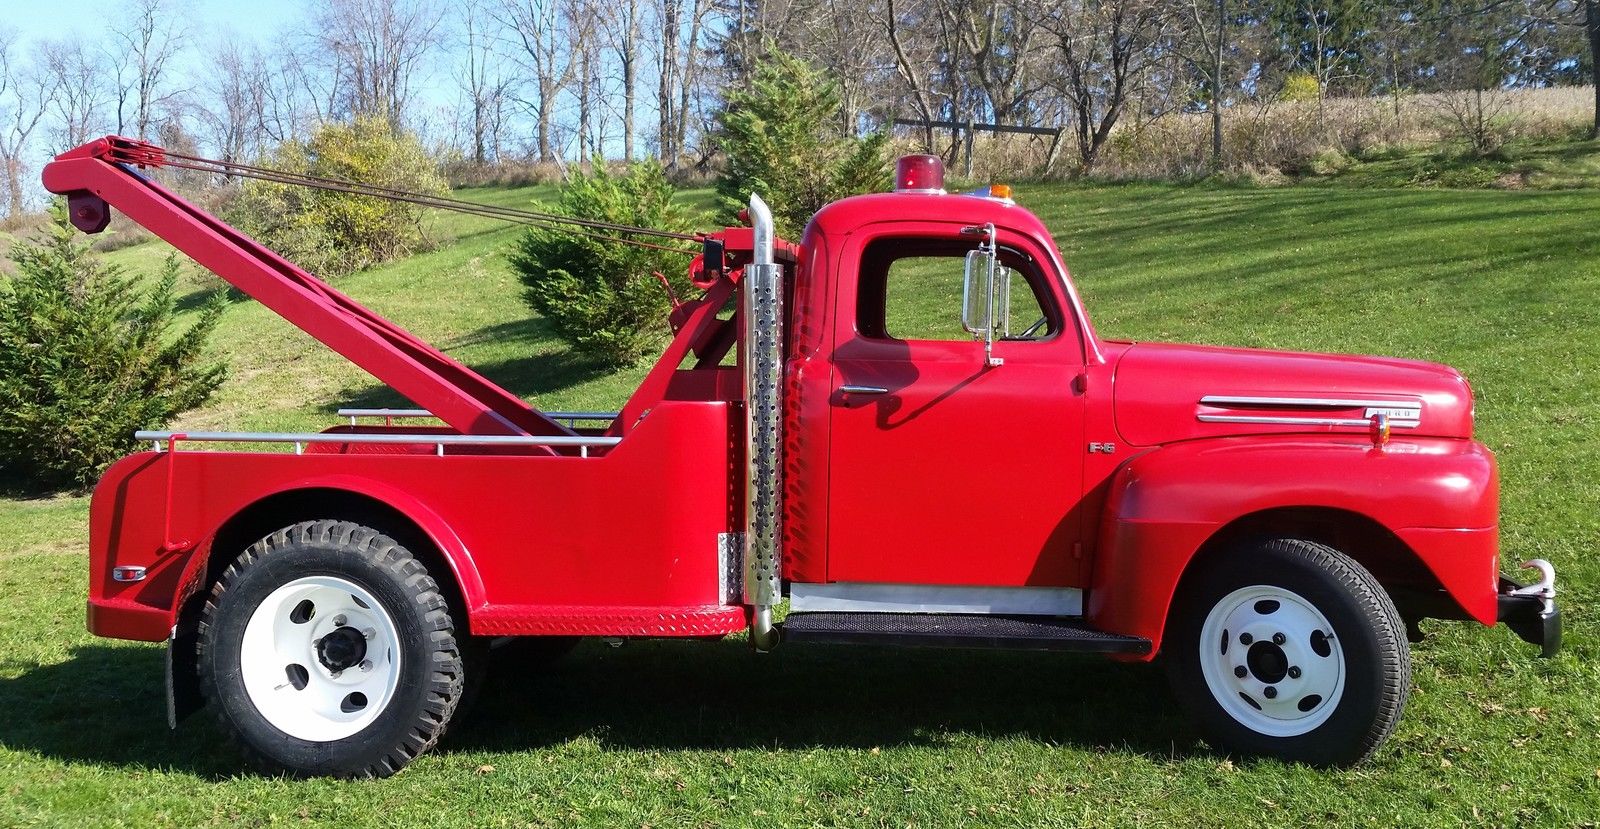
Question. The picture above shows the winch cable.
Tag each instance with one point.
(508, 214)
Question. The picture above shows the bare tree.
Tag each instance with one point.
(481, 80)
(151, 34)
(379, 48)
(532, 29)
(620, 27)
(78, 108)
(913, 59)
(1204, 49)
(234, 99)
(26, 92)
(679, 61)
(1104, 48)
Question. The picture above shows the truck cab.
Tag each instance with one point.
(907, 432)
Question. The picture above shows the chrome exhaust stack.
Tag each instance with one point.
(763, 444)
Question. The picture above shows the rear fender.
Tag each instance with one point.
(1437, 496)
(291, 504)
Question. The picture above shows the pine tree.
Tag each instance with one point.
(88, 357)
(781, 140)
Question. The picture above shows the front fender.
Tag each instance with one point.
(1439, 496)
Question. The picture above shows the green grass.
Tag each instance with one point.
(1517, 166)
(1504, 285)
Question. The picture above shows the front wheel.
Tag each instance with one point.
(327, 649)
(1289, 649)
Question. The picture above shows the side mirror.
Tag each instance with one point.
(977, 292)
(986, 297)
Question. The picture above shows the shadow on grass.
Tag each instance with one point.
(541, 372)
(104, 705)
(658, 695)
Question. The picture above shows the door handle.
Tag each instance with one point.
(863, 390)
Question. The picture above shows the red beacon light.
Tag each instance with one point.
(919, 174)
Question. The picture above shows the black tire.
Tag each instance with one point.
(428, 681)
(1368, 640)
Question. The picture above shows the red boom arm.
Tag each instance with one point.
(99, 172)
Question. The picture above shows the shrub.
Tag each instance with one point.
(87, 357)
(331, 233)
(1300, 86)
(783, 140)
(602, 297)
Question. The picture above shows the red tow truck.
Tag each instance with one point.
(1271, 524)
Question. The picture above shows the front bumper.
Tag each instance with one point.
(1530, 610)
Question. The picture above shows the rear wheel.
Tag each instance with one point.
(326, 648)
(1290, 649)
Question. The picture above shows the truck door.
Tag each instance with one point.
(944, 470)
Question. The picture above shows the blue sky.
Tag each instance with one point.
(53, 19)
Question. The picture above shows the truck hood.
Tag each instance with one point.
(1164, 393)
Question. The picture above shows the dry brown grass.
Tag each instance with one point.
(1276, 139)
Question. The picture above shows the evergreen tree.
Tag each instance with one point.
(601, 297)
(782, 141)
(87, 357)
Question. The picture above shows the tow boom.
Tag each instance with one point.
(101, 173)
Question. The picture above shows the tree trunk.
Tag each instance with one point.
(14, 201)
(630, 68)
(546, 154)
(669, 66)
(585, 138)
(1592, 15)
(1216, 91)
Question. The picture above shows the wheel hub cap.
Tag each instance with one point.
(344, 648)
(1271, 660)
(320, 658)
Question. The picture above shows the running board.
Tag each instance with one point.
(952, 630)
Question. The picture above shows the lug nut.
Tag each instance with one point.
(368, 633)
(1270, 692)
(338, 621)
(366, 664)
(1245, 639)
(1241, 672)
(1294, 671)
(1278, 638)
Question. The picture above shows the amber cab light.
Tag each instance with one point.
(999, 191)
(919, 174)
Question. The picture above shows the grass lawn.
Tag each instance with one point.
(1502, 284)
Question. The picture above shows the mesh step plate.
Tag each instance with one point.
(949, 630)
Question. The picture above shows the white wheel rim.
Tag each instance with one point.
(1271, 661)
(313, 689)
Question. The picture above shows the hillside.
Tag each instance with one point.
(1503, 284)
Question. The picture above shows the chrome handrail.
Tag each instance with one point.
(397, 414)
(299, 439)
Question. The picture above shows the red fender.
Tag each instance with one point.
(1439, 496)
(435, 528)
(136, 486)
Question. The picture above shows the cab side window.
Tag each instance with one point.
(911, 290)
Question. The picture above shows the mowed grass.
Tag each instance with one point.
(1504, 285)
